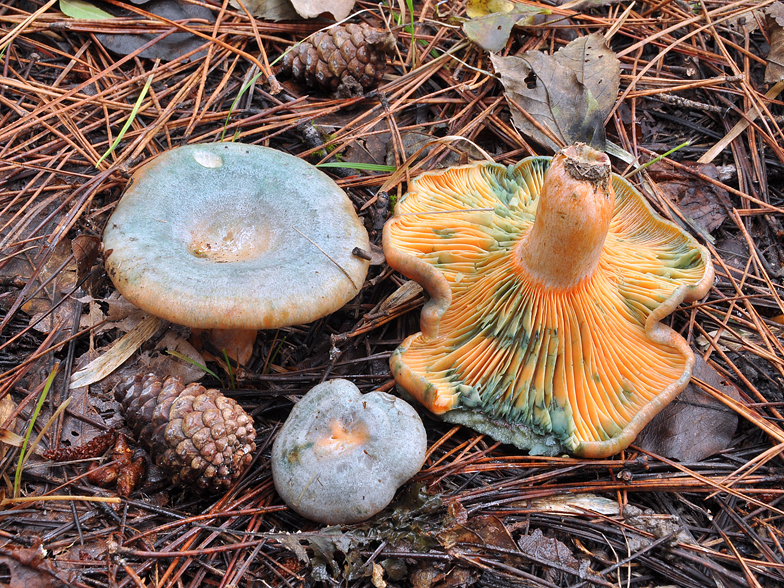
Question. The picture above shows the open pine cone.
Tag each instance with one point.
(346, 55)
(196, 435)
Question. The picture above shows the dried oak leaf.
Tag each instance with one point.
(694, 425)
(568, 93)
(704, 203)
(549, 549)
(483, 530)
(776, 12)
(774, 72)
(28, 568)
(85, 249)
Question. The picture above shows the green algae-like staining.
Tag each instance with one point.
(446, 233)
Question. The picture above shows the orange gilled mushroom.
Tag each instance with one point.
(548, 284)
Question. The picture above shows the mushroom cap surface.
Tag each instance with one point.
(234, 236)
(584, 366)
(341, 455)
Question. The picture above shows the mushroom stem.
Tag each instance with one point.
(238, 343)
(564, 245)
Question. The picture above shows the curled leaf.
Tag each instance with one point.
(339, 9)
(478, 8)
(492, 21)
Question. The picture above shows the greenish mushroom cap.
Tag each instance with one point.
(232, 236)
(341, 455)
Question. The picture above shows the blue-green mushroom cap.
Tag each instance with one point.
(232, 236)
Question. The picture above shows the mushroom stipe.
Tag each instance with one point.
(544, 325)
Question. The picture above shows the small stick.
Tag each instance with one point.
(345, 273)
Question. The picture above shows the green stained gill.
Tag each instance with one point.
(445, 233)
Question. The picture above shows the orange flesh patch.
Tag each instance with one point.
(342, 438)
(584, 362)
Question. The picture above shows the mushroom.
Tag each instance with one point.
(341, 455)
(237, 238)
(548, 282)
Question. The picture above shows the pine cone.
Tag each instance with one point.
(328, 58)
(194, 434)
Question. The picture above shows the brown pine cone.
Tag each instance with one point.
(194, 434)
(329, 58)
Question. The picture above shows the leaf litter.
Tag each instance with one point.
(479, 513)
(564, 98)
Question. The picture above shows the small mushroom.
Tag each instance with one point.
(235, 237)
(341, 454)
(548, 282)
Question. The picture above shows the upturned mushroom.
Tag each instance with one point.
(548, 282)
(341, 454)
(234, 238)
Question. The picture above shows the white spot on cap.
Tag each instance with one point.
(207, 158)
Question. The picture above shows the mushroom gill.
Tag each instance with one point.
(548, 282)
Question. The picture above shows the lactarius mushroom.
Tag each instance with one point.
(234, 237)
(341, 454)
(548, 282)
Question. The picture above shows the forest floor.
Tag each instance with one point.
(673, 510)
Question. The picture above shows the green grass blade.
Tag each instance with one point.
(204, 368)
(232, 386)
(33, 418)
(128, 123)
(659, 158)
(241, 93)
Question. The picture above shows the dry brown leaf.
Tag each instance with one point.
(160, 362)
(103, 366)
(268, 9)
(695, 425)
(339, 9)
(560, 91)
(492, 21)
(774, 72)
(173, 46)
(28, 568)
(65, 279)
(85, 249)
(545, 548)
(704, 203)
(552, 96)
(657, 525)
(776, 11)
(484, 529)
(595, 66)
